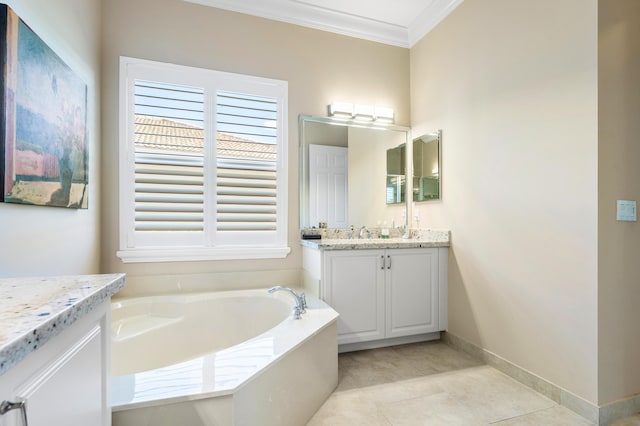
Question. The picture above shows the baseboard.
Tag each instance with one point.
(619, 410)
(598, 415)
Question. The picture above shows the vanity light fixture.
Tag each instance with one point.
(341, 109)
(384, 114)
(348, 111)
(364, 113)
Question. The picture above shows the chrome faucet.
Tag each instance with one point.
(403, 229)
(301, 300)
(364, 232)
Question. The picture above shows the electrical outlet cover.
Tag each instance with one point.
(626, 211)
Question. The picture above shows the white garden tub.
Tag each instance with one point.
(221, 358)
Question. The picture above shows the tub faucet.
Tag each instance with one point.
(301, 300)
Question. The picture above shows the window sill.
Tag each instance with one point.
(191, 254)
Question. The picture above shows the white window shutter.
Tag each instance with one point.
(169, 157)
(246, 193)
(207, 164)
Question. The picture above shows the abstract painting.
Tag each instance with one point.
(43, 122)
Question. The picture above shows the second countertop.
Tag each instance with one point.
(430, 238)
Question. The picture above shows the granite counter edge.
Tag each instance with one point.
(314, 244)
(18, 349)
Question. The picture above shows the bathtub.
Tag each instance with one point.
(221, 358)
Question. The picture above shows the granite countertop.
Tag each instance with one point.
(430, 238)
(33, 310)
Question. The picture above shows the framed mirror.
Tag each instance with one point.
(427, 167)
(343, 173)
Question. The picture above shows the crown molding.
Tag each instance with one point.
(431, 16)
(300, 13)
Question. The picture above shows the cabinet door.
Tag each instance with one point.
(69, 390)
(412, 291)
(64, 383)
(354, 287)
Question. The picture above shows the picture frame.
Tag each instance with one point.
(43, 121)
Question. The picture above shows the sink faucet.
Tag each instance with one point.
(404, 229)
(350, 232)
(301, 300)
(364, 232)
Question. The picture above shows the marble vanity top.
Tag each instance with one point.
(33, 310)
(425, 238)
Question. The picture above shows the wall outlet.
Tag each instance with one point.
(626, 211)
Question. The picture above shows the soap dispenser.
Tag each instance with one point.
(384, 232)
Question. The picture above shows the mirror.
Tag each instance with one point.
(343, 173)
(427, 185)
(396, 174)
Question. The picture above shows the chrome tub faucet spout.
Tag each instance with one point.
(301, 300)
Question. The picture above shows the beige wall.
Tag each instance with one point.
(40, 240)
(618, 179)
(320, 68)
(513, 85)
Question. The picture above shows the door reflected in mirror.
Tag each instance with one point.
(427, 184)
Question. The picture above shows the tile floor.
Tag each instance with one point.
(432, 384)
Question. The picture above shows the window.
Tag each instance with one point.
(203, 164)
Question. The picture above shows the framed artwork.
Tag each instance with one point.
(43, 122)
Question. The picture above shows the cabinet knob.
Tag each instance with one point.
(7, 406)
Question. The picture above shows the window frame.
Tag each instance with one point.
(131, 248)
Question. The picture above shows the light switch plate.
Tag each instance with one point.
(626, 211)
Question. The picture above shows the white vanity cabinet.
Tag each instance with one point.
(65, 382)
(384, 296)
(55, 349)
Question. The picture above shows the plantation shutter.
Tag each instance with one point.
(203, 164)
(246, 192)
(169, 160)
(169, 157)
